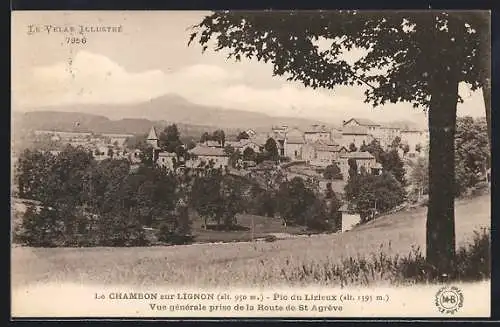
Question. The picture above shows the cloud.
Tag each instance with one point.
(94, 78)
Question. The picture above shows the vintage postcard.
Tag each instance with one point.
(291, 164)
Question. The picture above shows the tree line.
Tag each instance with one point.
(84, 202)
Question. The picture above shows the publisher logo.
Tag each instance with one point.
(449, 299)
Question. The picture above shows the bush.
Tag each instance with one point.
(474, 261)
(42, 228)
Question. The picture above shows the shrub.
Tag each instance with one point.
(474, 261)
(42, 228)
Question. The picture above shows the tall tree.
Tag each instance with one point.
(332, 172)
(353, 168)
(205, 137)
(409, 56)
(294, 200)
(391, 162)
(170, 139)
(375, 149)
(249, 154)
(243, 136)
(396, 143)
(219, 136)
(374, 193)
(271, 148)
(419, 176)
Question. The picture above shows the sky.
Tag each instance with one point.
(149, 58)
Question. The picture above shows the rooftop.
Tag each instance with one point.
(359, 155)
(152, 134)
(213, 144)
(327, 147)
(317, 129)
(295, 136)
(166, 154)
(363, 122)
(241, 143)
(201, 150)
(355, 130)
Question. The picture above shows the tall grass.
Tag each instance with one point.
(355, 257)
(472, 263)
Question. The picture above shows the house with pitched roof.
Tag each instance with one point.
(317, 133)
(243, 144)
(357, 135)
(294, 142)
(201, 155)
(363, 122)
(413, 137)
(363, 159)
(166, 160)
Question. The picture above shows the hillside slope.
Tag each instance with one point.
(236, 264)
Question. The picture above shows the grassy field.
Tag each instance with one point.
(236, 264)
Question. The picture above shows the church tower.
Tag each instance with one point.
(153, 138)
(154, 142)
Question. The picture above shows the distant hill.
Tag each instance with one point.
(168, 108)
(82, 122)
(192, 119)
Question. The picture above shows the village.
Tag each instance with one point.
(317, 147)
(300, 153)
(304, 151)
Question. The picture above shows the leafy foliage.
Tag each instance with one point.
(332, 172)
(374, 148)
(243, 136)
(400, 58)
(249, 154)
(391, 162)
(170, 140)
(472, 152)
(271, 149)
(217, 197)
(371, 194)
(294, 200)
(89, 203)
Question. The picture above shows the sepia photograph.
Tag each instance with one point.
(286, 164)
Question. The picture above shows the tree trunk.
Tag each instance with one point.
(441, 212)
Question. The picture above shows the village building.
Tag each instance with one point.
(327, 154)
(357, 135)
(318, 133)
(166, 160)
(321, 154)
(243, 144)
(201, 155)
(260, 139)
(250, 132)
(293, 144)
(387, 135)
(349, 218)
(279, 135)
(414, 138)
(363, 159)
(370, 126)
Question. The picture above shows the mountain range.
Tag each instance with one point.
(192, 119)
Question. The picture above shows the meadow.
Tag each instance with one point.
(298, 261)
